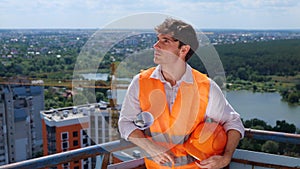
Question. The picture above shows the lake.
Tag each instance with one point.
(263, 106)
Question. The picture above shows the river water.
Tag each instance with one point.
(264, 106)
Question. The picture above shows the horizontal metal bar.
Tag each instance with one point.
(92, 151)
(272, 135)
(266, 160)
(265, 165)
(72, 155)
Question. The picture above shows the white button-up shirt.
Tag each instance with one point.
(217, 109)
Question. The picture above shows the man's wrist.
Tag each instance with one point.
(227, 157)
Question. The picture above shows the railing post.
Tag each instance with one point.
(105, 162)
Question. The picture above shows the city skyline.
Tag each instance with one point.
(203, 14)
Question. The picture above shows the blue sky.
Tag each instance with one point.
(244, 14)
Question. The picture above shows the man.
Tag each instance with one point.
(179, 98)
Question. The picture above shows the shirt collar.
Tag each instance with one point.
(187, 76)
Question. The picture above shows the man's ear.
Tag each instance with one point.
(184, 50)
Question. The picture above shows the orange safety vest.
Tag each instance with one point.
(172, 129)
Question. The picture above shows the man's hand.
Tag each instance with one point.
(160, 154)
(214, 162)
(219, 161)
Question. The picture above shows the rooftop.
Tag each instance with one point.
(71, 115)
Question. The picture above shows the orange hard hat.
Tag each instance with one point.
(208, 139)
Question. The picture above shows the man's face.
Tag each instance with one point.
(166, 49)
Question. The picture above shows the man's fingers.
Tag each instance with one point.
(198, 165)
(170, 158)
(163, 158)
(207, 161)
(204, 162)
(203, 165)
(211, 163)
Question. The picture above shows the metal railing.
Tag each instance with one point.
(241, 156)
(72, 155)
(272, 135)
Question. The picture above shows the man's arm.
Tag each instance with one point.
(130, 132)
(130, 109)
(158, 153)
(233, 139)
(222, 112)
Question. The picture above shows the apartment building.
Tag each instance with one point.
(20, 123)
(76, 127)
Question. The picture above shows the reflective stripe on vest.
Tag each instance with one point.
(166, 138)
(173, 128)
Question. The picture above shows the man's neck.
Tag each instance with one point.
(173, 73)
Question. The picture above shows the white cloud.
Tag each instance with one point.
(202, 13)
(268, 3)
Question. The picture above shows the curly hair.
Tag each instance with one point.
(181, 31)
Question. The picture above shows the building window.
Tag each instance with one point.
(53, 168)
(84, 141)
(65, 145)
(75, 133)
(76, 167)
(84, 132)
(75, 143)
(85, 163)
(66, 165)
(64, 136)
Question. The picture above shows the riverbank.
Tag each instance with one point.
(287, 86)
(266, 106)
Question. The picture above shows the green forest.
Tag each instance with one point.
(261, 66)
(266, 66)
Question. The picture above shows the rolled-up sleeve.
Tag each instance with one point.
(220, 110)
(130, 108)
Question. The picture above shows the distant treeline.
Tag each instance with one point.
(261, 67)
(280, 57)
(258, 62)
(269, 146)
(251, 61)
(246, 61)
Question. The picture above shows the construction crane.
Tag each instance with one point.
(112, 92)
